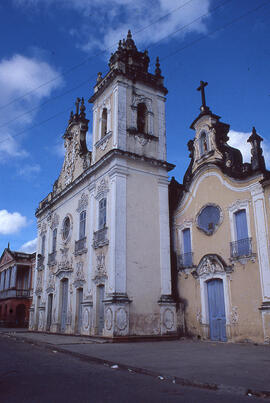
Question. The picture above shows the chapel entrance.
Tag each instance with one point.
(64, 284)
(216, 306)
(79, 310)
(100, 315)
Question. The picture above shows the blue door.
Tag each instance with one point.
(217, 317)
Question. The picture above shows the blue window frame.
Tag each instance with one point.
(242, 238)
(187, 254)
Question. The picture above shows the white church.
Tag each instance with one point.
(103, 265)
(121, 254)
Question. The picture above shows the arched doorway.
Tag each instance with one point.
(20, 315)
(216, 307)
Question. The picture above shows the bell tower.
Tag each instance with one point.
(129, 105)
(129, 156)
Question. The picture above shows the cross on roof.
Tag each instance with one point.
(201, 88)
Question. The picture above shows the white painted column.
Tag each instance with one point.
(91, 234)
(94, 140)
(162, 154)
(117, 264)
(165, 262)
(262, 239)
(120, 116)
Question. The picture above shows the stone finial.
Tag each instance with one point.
(71, 116)
(158, 71)
(257, 158)
(8, 246)
(82, 109)
(99, 77)
(120, 45)
(129, 42)
(77, 103)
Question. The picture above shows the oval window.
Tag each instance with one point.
(66, 227)
(209, 218)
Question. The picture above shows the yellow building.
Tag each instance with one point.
(220, 236)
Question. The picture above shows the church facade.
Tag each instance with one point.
(122, 253)
(221, 237)
(103, 258)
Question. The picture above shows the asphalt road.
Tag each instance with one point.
(33, 374)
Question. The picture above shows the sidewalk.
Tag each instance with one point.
(240, 368)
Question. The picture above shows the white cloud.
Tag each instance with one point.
(239, 140)
(11, 223)
(112, 22)
(29, 247)
(29, 171)
(19, 75)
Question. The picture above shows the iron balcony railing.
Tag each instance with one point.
(241, 248)
(100, 237)
(185, 260)
(52, 258)
(80, 245)
(14, 293)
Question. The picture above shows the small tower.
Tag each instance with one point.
(77, 156)
(129, 105)
(257, 158)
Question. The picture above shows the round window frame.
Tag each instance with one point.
(217, 225)
(67, 239)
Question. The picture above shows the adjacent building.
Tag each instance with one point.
(220, 232)
(103, 263)
(16, 287)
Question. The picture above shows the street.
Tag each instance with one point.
(29, 373)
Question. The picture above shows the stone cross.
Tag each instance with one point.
(201, 88)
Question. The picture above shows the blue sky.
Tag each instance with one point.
(51, 51)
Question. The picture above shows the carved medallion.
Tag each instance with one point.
(108, 318)
(168, 319)
(121, 318)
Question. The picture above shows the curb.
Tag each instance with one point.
(237, 390)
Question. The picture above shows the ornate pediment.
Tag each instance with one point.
(6, 258)
(83, 202)
(211, 265)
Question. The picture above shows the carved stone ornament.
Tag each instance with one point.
(79, 275)
(210, 265)
(142, 140)
(82, 203)
(108, 318)
(102, 189)
(55, 221)
(121, 318)
(168, 318)
(39, 282)
(43, 228)
(234, 315)
(64, 268)
(86, 318)
(72, 152)
(51, 283)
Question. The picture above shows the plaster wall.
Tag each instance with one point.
(243, 284)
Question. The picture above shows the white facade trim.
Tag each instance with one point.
(195, 185)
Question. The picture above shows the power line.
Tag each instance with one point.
(216, 30)
(171, 54)
(74, 67)
(151, 46)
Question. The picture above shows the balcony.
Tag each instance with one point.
(241, 248)
(80, 246)
(40, 262)
(52, 258)
(14, 294)
(185, 260)
(100, 238)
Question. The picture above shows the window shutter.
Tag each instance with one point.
(186, 240)
(241, 224)
(13, 277)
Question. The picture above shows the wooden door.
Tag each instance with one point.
(49, 313)
(64, 305)
(100, 309)
(217, 316)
